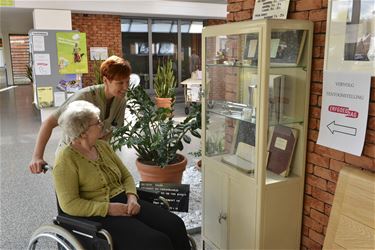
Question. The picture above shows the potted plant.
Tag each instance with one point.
(164, 85)
(155, 137)
(29, 73)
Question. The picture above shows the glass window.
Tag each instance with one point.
(135, 48)
(138, 26)
(191, 49)
(164, 46)
(162, 26)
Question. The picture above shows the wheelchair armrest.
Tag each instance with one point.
(79, 224)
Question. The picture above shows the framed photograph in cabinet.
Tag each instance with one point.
(350, 36)
(251, 49)
(287, 46)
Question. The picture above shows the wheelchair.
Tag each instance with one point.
(78, 233)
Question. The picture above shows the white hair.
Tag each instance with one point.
(76, 118)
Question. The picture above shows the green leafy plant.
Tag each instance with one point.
(152, 132)
(164, 81)
(96, 68)
(29, 73)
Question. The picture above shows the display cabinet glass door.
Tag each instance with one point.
(231, 99)
(287, 97)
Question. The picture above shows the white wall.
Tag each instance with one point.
(52, 19)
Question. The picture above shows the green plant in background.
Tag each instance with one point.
(96, 68)
(196, 109)
(152, 132)
(29, 73)
(165, 81)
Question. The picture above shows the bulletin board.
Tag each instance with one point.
(50, 87)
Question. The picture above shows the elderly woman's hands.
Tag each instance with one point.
(118, 209)
(133, 206)
(121, 209)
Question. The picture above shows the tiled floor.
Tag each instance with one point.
(27, 201)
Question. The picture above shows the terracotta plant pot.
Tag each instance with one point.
(163, 102)
(199, 165)
(170, 174)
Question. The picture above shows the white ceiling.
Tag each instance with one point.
(193, 9)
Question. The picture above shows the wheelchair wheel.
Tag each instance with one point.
(192, 242)
(64, 239)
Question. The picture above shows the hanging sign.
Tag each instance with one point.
(344, 112)
(275, 9)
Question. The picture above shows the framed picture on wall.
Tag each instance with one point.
(350, 37)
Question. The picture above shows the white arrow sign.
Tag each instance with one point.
(333, 127)
(344, 112)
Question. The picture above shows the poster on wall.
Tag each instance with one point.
(6, 3)
(70, 83)
(345, 104)
(71, 52)
(42, 64)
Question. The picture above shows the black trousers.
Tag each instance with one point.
(153, 228)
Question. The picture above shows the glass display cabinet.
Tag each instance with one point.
(256, 82)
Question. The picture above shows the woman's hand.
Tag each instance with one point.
(133, 206)
(36, 165)
(118, 209)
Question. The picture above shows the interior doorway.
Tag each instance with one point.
(19, 51)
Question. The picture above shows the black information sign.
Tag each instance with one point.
(176, 194)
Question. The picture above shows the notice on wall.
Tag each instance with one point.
(42, 64)
(38, 43)
(45, 97)
(98, 53)
(275, 9)
(59, 98)
(344, 112)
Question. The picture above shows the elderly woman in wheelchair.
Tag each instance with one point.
(92, 182)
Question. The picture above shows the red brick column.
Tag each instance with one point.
(323, 164)
(101, 31)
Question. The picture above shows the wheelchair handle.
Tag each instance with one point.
(46, 167)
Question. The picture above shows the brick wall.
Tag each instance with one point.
(101, 31)
(323, 164)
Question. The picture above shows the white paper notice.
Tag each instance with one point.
(42, 64)
(344, 113)
(275, 9)
(98, 53)
(38, 43)
(59, 98)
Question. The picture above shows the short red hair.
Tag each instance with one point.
(115, 68)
